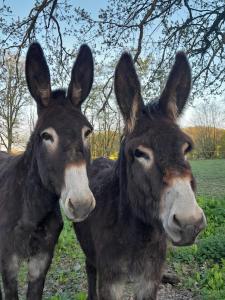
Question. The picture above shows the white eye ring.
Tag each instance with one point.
(50, 138)
(186, 148)
(86, 131)
(144, 155)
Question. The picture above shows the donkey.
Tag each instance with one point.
(52, 167)
(146, 196)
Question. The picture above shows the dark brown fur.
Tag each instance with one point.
(124, 237)
(31, 183)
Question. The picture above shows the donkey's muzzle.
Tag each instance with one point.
(80, 210)
(181, 215)
(76, 200)
(189, 232)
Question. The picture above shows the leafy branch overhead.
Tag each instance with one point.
(152, 30)
(155, 28)
(162, 27)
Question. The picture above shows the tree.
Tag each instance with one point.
(162, 27)
(12, 99)
(102, 112)
(155, 27)
(208, 118)
(152, 30)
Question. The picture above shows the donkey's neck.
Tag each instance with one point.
(38, 201)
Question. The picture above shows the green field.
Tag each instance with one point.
(210, 177)
(201, 267)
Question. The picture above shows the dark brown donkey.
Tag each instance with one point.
(52, 167)
(146, 196)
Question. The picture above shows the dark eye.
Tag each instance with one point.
(187, 147)
(47, 137)
(87, 133)
(140, 154)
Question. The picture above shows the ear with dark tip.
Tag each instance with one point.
(81, 76)
(175, 94)
(38, 76)
(128, 91)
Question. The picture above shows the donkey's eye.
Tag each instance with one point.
(140, 154)
(47, 137)
(87, 133)
(187, 147)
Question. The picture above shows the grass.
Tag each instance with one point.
(201, 267)
(66, 279)
(210, 176)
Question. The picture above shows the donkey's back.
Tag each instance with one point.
(101, 178)
(7, 165)
(7, 172)
(100, 165)
(10, 194)
(3, 155)
(4, 158)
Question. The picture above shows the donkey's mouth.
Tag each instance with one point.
(78, 220)
(78, 211)
(185, 238)
(88, 211)
(184, 242)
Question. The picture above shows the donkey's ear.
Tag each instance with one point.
(81, 76)
(128, 91)
(38, 76)
(175, 94)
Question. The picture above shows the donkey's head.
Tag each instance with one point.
(60, 136)
(159, 180)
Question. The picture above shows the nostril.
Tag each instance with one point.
(176, 221)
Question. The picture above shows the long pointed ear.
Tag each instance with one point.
(128, 91)
(38, 76)
(175, 94)
(81, 77)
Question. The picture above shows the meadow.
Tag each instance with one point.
(210, 177)
(200, 267)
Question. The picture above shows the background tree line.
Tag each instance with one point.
(151, 30)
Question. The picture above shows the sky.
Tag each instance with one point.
(22, 8)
